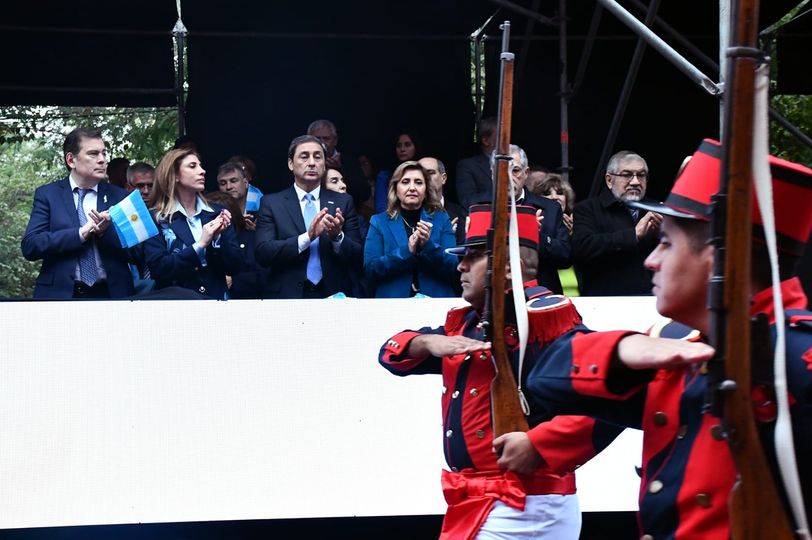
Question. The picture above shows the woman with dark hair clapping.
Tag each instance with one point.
(407, 148)
(405, 248)
(197, 246)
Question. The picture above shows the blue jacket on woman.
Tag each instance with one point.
(388, 263)
(173, 261)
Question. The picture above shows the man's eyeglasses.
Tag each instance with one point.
(628, 175)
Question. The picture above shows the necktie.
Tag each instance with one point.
(314, 274)
(87, 258)
(635, 214)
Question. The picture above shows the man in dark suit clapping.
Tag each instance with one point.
(69, 229)
(307, 236)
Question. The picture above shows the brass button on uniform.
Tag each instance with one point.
(474, 392)
(454, 469)
(242, 246)
(593, 368)
(483, 356)
(455, 395)
(480, 433)
(655, 487)
(576, 368)
(682, 431)
(467, 357)
(660, 419)
(717, 432)
(703, 500)
(448, 434)
(445, 389)
(202, 289)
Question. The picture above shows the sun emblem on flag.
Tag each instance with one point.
(134, 217)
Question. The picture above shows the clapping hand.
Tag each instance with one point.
(97, 223)
(214, 228)
(334, 224)
(419, 236)
(648, 224)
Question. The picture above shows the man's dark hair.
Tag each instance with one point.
(487, 126)
(301, 139)
(696, 231)
(73, 141)
(698, 234)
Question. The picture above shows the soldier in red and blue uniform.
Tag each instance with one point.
(688, 471)
(519, 484)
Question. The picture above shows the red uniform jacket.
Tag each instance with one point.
(687, 468)
(475, 480)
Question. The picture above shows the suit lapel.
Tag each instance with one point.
(67, 200)
(102, 203)
(294, 209)
(485, 165)
(182, 230)
(397, 229)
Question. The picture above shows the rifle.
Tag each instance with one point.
(506, 409)
(756, 510)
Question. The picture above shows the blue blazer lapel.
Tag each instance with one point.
(103, 201)
(397, 229)
(485, 165)
(182, 230)
(66, 195)
(294, 209)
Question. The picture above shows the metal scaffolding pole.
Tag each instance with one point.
(179, 34)
(563, 91)
(625, 94)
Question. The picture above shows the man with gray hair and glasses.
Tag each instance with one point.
(610, 241)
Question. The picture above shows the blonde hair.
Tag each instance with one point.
(163, 190)
(431, 203)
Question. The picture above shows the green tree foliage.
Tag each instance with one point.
(31, 155)
(24, 166)
(798, 110)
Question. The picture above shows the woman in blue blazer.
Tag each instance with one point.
(197, 246)
(405, 247)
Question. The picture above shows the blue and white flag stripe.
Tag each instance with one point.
(132, 220)
(252, 199)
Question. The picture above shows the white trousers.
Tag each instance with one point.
(553, 517)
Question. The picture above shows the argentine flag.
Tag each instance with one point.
(252, 199)
(132, 220)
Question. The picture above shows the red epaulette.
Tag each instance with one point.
(551, 315)
(674, 330)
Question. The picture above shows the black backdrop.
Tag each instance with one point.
(260, 72)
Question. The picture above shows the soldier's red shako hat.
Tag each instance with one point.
(479, 221)
(690, 198)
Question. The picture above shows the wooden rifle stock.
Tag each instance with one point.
(756, 509)
(506, 408)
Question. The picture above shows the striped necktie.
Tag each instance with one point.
(88, 274)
